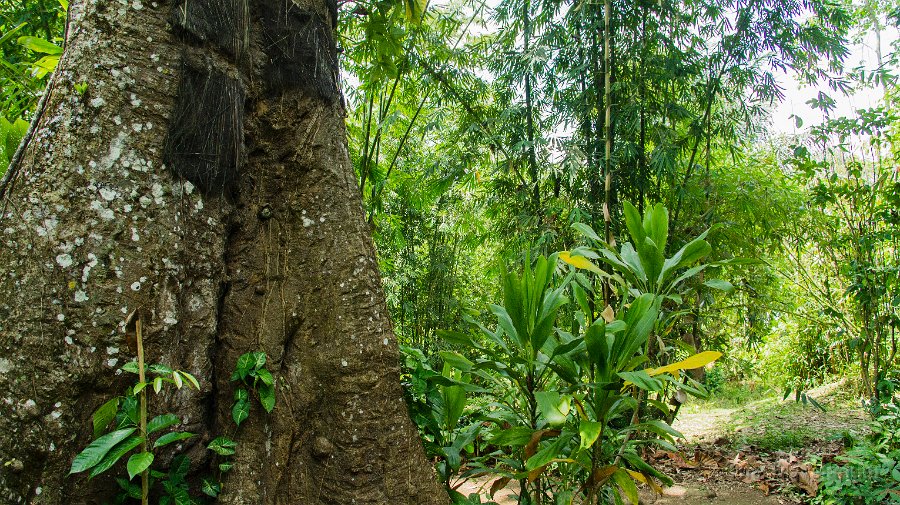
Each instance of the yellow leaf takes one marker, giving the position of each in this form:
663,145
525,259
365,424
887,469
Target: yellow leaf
579,262
637,476
696,361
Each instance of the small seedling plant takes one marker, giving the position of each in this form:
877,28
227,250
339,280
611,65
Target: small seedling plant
252,376
122,428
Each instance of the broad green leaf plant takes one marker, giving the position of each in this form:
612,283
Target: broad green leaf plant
640,266
437,403
567,412
122,427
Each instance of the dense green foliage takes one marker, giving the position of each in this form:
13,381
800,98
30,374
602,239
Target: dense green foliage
870,471
28,54
480,135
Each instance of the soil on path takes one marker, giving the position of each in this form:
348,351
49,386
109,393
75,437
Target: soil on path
750,454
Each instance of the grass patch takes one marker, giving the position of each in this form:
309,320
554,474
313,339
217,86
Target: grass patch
750,415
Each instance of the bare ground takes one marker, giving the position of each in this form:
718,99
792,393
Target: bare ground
757,453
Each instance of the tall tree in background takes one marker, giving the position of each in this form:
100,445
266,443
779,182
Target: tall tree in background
191,163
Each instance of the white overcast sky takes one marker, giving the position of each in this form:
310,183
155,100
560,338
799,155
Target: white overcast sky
796,95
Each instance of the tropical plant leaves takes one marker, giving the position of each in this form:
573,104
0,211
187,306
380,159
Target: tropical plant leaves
96,450
139,462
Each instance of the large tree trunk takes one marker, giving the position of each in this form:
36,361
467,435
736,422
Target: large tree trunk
203,177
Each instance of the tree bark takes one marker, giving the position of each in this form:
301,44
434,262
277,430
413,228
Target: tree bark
204,178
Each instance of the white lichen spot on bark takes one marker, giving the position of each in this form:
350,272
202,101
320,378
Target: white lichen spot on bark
157,191
105,212
92,262
108,194
64,260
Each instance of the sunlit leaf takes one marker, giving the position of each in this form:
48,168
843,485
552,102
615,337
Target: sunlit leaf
93,453
579,262
696,361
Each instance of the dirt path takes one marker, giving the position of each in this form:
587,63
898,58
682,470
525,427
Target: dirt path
688,494
694,494
750,454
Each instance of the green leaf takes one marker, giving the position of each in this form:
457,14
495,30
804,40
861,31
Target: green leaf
211,487
656,426
131,489
598,346
415,10
587,231
259,360
458,338
157,384
39,45
549,453
223,446
104,415
179,468
656,225
159,369
640,465
94,453
456,360
115,454
129,407
504,320
633,261
139,387
633,223
191,379
224,467
139,462
267,397
174,436
240,411
553,406
589,431
265,376
131,367
162,422
517,436
241,394
719,284
693,251
178,381
454,403
641,379
626,484
244,365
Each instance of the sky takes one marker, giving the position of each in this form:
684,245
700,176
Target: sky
797,95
